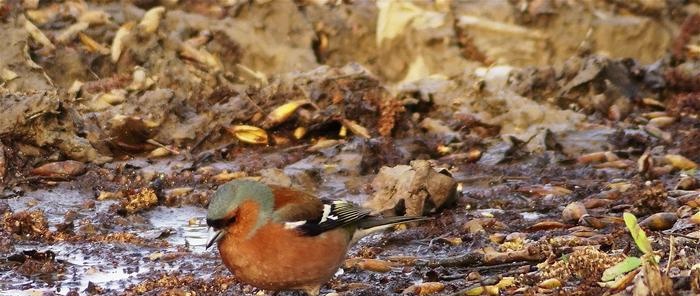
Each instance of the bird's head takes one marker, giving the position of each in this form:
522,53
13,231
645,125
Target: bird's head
236,201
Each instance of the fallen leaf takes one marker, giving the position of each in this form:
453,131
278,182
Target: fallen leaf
627,265
639,236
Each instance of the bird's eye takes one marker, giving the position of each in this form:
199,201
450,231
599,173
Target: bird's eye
221,223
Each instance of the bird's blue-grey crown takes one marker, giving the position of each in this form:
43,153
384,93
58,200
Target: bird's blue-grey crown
232,194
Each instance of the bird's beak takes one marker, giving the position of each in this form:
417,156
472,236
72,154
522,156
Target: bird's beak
217,236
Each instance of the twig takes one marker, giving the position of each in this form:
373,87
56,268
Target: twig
670,254
532,252
683,236
484,268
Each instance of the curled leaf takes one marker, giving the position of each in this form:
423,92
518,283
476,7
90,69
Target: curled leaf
249,134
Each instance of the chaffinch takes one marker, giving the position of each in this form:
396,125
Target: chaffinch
278,238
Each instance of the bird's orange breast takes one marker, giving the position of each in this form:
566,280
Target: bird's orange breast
276,258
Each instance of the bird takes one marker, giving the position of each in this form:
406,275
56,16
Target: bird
277,238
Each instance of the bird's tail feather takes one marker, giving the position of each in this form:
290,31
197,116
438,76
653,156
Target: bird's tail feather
372,221
373,224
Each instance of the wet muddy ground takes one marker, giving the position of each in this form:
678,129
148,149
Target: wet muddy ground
525,129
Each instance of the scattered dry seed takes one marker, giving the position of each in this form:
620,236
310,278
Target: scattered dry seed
492,290
257,75
652,102
75,88
473,155
92,45
681,162
282,113
620,186
69,33
299,132
30,62
455,241
428,288
687,182
506,282
611,156
44,15
119,39
226,176
475,291
151,20
550,283
657,132
695,219
573,212
201,56
37,35
180,191
369,264
655,114
617,164
324,143
94,17
140,80
106,195
159,152
442,149
355,128
659,221
249,134
115,97
662,121
593,157
202,38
